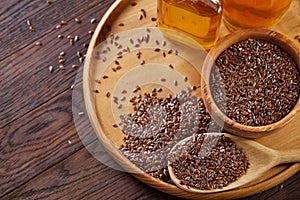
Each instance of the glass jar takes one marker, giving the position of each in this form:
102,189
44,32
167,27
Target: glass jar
199,19
253,13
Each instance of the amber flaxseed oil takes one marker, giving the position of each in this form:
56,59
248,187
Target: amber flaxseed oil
199,19
240,14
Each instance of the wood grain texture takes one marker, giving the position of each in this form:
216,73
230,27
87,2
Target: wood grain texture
37,160
25,73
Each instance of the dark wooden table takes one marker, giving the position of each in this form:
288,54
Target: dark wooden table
41,154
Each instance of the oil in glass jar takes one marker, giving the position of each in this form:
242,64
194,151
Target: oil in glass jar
240,14
199,19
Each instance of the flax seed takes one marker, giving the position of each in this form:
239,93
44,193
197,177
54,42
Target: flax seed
63,22
77,20
38,43
93,20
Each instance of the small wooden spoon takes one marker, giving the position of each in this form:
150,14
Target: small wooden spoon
261,159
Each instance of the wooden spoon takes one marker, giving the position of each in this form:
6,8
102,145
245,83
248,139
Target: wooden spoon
261,159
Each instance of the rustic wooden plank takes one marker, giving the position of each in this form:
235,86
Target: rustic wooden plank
288,192
81,176
15,34
25,73
36,141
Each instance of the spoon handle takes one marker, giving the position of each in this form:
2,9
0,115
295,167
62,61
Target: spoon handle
289,156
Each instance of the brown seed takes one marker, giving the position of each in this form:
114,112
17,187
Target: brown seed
78,54
121,24
62,53
60,36
105,77
63,22
49,2
80,60
157,49
118,67
142,62
62,67
153,19
115,125
74,66
50,69
171,66
185,79
38,44
175,83
70,37
72,86
107,94
62,60
144,13
29,22
96,91
133,4
76,38
85,45
91,32
93,20
31,28
140,17
58,26
163,80
77,20
71,42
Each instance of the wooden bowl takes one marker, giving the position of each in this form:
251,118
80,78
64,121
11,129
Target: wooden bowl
235,37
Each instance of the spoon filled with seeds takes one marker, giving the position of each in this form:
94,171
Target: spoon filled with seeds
216,162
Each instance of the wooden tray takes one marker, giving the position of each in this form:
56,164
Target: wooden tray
124,16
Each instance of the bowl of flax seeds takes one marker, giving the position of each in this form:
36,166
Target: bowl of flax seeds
251,82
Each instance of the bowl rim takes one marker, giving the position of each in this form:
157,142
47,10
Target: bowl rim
222,119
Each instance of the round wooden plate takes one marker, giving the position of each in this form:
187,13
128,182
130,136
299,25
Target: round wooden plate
124,16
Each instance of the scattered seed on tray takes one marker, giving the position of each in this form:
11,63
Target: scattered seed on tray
133,4
175,83
144,13
107,94
105,77
149,139
153,19
163,80
208,162
140,17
